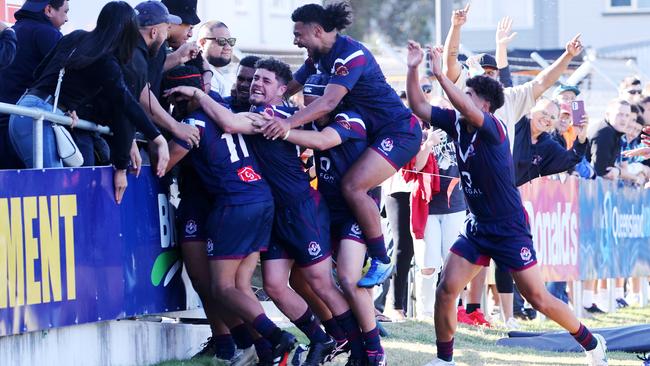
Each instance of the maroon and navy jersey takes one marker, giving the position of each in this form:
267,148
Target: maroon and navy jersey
280,162
351,65
485,165
226,164
333,163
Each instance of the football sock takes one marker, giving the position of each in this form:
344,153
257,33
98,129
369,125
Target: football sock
372,341
225,346
350,326
377,249
334,330
241,336
445,350
308,324
265,326
585,338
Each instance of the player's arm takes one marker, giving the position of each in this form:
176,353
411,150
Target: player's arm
315,140
452,44
224,118
457,97
417,100
176,153
293,87
551,74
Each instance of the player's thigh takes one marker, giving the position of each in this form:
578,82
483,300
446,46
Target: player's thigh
195,258
457,273
223,272
246,270
369,171
275,272
530,284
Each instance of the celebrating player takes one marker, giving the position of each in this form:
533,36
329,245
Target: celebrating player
496,226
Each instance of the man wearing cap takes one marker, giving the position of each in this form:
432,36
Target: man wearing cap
181,51
566,93
630,90
519,99
154,21
216,44
37,31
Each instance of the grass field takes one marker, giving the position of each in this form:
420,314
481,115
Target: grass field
412,344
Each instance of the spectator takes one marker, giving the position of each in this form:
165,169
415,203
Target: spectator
216,45
630,90
7,45
241,90
566,94
632,168
536,152
92,61
37,31
176,50
645,110
605,141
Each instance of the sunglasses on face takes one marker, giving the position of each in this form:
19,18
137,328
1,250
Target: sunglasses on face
222,41
427,89
634,91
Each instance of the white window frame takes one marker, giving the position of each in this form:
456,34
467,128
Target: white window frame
632,8
285,9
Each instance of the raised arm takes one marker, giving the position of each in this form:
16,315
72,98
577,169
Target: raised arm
461,101
417,101
162,119
452,44
504,36
551,74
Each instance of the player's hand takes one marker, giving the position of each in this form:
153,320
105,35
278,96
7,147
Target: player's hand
259,120
459,17
255,119
643,152
187,52
136,159
184,91
278,128
187,133
645,137
574,47
504,33
119,184
159,152
581,130
436,59
415,54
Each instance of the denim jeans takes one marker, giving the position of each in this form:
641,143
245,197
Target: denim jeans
558,289
21,132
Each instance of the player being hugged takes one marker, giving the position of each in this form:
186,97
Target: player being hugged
496,226
358,84
338,141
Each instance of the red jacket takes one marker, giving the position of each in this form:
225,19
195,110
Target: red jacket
427,183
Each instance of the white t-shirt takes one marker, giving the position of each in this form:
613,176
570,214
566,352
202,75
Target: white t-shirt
218,83
518,101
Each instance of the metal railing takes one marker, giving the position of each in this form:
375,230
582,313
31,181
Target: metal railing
39,116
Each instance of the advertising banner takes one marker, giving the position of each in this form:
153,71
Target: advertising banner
69,254
553,213
614,230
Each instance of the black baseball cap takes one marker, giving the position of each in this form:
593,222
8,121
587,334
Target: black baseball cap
185,9
35,6
154,12
486,60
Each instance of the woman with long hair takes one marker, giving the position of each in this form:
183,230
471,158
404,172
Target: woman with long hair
92,64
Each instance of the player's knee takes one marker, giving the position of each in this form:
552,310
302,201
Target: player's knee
348,285
351,188
275,291
444,292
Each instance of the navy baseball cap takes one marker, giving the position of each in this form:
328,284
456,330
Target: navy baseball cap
35,6
153,12
185,9
486,60
563,88
315,85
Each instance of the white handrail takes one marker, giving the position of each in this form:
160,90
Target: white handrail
39,116
36,113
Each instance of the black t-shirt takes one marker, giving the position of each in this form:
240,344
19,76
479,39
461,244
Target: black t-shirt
136,72
450,199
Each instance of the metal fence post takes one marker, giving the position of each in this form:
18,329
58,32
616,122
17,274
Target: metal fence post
37,143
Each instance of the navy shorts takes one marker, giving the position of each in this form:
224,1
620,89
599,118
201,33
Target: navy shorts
235,231
301,232
192,213
508,242
399,144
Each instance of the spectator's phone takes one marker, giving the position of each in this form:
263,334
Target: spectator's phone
427,64
577,112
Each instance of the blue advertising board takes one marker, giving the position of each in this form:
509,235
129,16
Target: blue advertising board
614,230
69,254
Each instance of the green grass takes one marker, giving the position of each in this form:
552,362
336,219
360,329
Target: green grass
413,344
